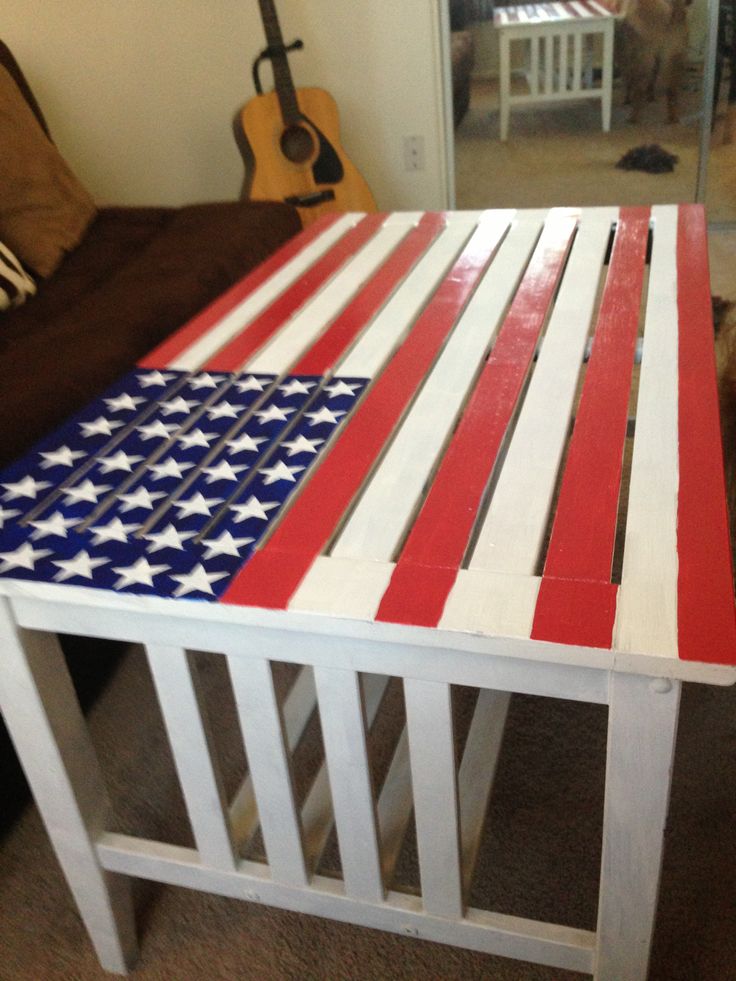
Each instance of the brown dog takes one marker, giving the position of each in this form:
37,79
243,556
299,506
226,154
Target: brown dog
652,46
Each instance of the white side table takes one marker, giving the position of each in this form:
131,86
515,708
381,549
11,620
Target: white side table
556,36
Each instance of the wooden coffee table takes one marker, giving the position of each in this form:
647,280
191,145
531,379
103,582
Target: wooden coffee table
395,450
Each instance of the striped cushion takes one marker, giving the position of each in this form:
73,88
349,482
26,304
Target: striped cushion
15,283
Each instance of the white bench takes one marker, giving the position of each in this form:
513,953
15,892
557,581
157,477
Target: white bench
558,38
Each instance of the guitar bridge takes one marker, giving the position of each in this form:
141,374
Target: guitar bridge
310,200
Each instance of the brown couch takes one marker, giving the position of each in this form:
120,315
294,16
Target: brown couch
137,275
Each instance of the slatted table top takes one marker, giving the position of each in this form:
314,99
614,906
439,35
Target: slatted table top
393,425
545,13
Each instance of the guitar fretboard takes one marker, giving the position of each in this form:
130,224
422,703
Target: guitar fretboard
283,81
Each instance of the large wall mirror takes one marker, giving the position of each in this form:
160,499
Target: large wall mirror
594,102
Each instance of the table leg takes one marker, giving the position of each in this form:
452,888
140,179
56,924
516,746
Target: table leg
504,84
607,77
642,726
40,707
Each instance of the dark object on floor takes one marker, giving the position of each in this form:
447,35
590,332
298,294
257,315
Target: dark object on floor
651,158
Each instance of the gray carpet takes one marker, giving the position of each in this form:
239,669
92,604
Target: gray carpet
539,857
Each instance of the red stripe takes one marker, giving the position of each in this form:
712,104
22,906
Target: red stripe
705,608
581,546
258,331
571,10
272,575
343,330
591,10
164,354
427,568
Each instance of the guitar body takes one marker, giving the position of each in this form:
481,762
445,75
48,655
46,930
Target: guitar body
304,159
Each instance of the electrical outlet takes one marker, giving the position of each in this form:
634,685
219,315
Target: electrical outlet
413,153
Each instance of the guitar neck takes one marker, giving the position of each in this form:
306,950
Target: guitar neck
283,81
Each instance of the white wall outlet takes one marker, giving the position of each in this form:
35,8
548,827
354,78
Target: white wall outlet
413,153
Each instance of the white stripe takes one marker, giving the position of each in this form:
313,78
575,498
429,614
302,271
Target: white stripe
583,11
310,321
233,323
647,602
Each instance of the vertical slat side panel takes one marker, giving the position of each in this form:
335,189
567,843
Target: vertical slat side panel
577,62
342,717
269,764
177,687
434,783
534,44
548,64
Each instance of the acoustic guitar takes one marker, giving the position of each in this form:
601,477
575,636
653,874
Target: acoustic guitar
290,140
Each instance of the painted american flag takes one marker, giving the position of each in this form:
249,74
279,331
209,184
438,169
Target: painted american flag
417,419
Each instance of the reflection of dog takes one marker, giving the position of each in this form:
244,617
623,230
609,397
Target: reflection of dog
652,48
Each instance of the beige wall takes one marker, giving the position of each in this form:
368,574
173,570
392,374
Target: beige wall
140,94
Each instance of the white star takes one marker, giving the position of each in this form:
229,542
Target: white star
280,472
205,381
197,504
157,429
169,468
168,538
224,410
324,415
124,403
63,457
195,438
113,531
28,487
274,414
245,442
99,427
340,388
251,384
223,471
224,545
57,524
81,565
296,387
120,461
253,508
141,498
196,581
154,378
178,406
6,513
302,445
140,573
24,557
86,491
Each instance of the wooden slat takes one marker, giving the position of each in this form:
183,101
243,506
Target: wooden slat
564,41
429,561
177,687
534,44
267,750
576,601
258,331
342,718
549,61
434,784
577,62
378,523
272,575
189,346
308,324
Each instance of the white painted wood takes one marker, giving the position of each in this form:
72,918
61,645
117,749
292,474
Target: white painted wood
607,76
317,811
343,587
187,727
504,84
511,534
379,521
342,717
534,65
549,40
368,355
642,726
311,320
651,524
477,772
233,323
298,707
564,42
577,63
434,784
41,711
492,933
270,768
492,603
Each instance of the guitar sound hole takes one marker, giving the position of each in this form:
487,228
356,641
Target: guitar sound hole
297,144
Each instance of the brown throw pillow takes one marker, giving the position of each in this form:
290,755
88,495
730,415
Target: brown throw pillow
44,210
